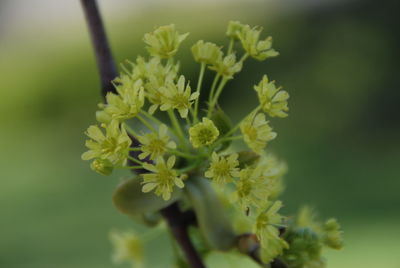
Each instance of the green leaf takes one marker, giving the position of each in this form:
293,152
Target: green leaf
211,217
129,199
229,260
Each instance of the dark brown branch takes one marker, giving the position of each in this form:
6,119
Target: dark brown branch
178,221
178,224
104,58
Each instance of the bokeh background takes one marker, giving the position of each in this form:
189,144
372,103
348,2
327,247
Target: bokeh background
339,62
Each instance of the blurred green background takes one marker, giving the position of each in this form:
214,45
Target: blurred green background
339,62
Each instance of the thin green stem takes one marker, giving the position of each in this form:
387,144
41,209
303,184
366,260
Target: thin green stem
213,86
135,160
190,167
233,130
230,48
130,130
244,57
217,94
147,124
182,154
136,149
223,139
151,117
199,82
177,127
129,167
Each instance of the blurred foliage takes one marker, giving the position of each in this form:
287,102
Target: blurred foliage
341,139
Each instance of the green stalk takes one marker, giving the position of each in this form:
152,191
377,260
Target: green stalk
182,154
233,130
199,82
130,130
214,84
178,128
231,43
244,57
135,160
147,124
151,117
215,98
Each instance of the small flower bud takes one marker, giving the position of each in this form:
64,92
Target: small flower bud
206,52
104,167
164,41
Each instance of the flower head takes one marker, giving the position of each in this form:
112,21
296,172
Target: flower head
273,100
102,166
113,146
234,29
260,50
178,96
203,133
164,41
129,101
332,234
227,66
206,52
162,177
256,132
223,168
268,233
154,75
155,144
127,248
252,189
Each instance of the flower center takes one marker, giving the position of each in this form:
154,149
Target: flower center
205,136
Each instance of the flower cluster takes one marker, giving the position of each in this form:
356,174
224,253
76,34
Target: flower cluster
156,123
308,237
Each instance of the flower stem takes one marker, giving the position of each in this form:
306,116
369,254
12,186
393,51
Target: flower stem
130,167
233,130
178,128
230,48
214,84
199,82
182,154
244,57
217,93
135,160
130,130
147,124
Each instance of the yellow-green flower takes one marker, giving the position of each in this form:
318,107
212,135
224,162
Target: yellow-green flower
227,66
206,52
203,133
332,234
178,96
256,132
234,29
266,229
259,50
113,146
163,178
158,75
155,144
127,247
273,170
129,101
102,166
273,100
164,41
252,189
223,168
